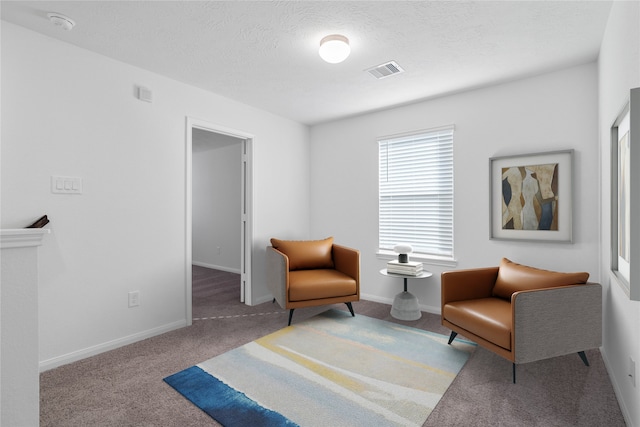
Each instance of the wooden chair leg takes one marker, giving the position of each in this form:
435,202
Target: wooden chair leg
514,373
290,316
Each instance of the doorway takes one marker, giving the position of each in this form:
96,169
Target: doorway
218,180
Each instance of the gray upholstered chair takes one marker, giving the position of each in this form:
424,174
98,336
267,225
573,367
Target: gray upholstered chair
523,313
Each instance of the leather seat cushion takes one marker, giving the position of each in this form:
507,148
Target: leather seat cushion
306,254
488,318
307,285
514,277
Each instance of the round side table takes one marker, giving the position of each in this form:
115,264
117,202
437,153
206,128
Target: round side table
405,304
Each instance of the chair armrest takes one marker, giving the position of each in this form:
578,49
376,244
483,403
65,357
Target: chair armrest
278,275
556,321
461,285
347,260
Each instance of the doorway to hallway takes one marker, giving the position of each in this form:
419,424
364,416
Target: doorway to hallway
214,293
218,208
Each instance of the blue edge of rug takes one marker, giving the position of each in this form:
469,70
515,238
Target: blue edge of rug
226,405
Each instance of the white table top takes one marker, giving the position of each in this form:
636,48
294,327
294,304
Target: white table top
422,275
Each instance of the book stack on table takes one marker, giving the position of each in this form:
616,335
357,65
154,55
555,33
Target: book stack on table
410,268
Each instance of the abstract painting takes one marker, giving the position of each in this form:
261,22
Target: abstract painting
531,196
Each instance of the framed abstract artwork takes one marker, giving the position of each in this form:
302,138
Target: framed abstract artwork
625,203
531,197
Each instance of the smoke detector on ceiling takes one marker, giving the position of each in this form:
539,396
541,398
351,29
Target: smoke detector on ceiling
59,20
385,70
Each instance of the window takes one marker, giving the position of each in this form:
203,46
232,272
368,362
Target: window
416,192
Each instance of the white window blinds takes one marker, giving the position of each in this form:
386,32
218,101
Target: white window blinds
416,192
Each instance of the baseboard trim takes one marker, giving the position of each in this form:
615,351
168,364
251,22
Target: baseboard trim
370,297
616,389
216,267
266,298
389,301
55,362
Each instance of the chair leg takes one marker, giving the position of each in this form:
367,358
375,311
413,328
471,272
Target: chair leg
452,337
580,353
583,357
290,316
274,300
350,309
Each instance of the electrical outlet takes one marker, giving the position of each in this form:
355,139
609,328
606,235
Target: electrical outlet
632,371
219,251
134,299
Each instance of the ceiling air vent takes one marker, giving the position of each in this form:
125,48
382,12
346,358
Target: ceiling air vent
385,70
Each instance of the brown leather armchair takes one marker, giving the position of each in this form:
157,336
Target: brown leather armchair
523,313
308,273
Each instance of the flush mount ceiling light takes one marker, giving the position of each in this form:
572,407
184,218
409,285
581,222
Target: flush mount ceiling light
334,48
59,20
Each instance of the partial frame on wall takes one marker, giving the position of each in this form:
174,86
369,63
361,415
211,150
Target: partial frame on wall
625,200
531,197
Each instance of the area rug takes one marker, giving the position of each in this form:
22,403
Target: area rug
329,370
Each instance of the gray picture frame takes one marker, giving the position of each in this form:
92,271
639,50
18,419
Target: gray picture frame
628,278
539,190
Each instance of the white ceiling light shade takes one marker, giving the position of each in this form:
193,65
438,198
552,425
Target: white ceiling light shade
59,20
334,48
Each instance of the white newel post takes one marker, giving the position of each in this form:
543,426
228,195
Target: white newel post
19,373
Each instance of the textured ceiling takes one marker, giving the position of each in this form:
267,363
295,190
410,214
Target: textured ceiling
265,53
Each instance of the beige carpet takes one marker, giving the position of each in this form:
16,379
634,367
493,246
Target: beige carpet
124,387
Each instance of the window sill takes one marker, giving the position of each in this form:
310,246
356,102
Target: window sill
426,259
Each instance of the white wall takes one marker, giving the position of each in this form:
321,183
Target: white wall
217,204
68,111
619,71
545,113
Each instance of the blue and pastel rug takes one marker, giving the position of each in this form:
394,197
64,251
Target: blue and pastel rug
330,370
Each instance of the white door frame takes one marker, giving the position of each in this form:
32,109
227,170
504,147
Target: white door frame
246,220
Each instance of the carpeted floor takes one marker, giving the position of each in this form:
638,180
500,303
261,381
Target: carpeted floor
124,387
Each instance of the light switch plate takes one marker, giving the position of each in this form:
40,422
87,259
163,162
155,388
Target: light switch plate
134,299
66,184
